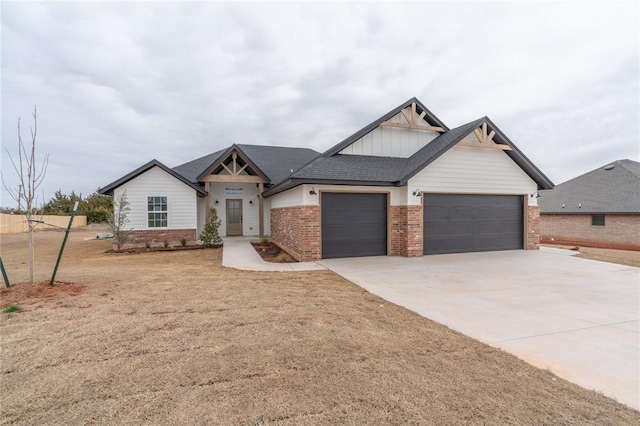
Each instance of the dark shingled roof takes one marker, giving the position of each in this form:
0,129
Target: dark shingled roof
193,169
275,162
616,190
286,168
344,169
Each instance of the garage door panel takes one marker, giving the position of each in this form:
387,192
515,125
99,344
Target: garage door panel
455,223
354,225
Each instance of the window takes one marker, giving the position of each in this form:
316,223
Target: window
157,212
597,220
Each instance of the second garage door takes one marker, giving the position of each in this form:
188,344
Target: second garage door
354,225
455,223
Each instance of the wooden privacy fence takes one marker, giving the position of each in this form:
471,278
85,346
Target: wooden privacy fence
16,223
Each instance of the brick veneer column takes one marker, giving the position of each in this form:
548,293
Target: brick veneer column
533,227
297,231
406,231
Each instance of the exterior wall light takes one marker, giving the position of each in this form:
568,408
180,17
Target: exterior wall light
313,192
217,201
417,192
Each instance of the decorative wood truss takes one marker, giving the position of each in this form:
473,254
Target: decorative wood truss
485,139
238,169
413,122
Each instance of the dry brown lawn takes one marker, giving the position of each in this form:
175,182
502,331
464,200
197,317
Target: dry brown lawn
174,338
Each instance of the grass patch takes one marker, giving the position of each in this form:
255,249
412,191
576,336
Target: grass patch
11,309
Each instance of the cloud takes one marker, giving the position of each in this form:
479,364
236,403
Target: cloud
118,84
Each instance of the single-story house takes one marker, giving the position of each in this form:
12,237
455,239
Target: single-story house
600,208
404,185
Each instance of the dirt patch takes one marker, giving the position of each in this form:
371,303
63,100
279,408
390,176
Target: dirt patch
272,253
175,338
18,293
621,257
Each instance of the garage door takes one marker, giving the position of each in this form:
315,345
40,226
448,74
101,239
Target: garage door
354,225
466,223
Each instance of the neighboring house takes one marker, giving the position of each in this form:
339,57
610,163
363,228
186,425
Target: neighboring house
598,209
404,185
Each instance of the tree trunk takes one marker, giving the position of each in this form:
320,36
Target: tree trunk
30,243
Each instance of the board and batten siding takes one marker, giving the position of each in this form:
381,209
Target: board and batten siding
155,182
392,141
468,170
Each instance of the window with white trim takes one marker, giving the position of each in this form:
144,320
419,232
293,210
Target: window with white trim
157,212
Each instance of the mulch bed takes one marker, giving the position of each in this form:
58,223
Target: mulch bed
136,250
272,253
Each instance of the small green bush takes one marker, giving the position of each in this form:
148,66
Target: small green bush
165,244
210,234
12,308
183,241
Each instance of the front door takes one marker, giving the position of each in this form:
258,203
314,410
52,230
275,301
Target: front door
234,217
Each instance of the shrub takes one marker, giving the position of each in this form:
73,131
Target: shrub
147,245
165,244
99,215
210,234
183,242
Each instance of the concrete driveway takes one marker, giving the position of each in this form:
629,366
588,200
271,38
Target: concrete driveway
575,317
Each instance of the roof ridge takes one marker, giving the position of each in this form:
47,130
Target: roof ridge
624,164
597,169
274,146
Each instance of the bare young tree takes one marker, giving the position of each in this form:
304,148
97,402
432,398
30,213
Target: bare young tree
120,219
30,177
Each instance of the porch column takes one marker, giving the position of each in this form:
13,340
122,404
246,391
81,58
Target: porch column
261,208
207,214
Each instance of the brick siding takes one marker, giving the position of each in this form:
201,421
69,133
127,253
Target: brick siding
620,231
297,231
406,231
138,238
533,228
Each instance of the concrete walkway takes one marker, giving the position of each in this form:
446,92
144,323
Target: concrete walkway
238,253
573,316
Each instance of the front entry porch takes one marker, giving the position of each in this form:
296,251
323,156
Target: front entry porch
234,188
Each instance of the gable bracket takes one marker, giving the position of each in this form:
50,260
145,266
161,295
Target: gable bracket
413,122
485,138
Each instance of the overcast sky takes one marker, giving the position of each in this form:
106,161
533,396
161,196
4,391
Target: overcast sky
118,84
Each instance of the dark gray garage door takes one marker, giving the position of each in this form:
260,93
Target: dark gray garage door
468,223
354,225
